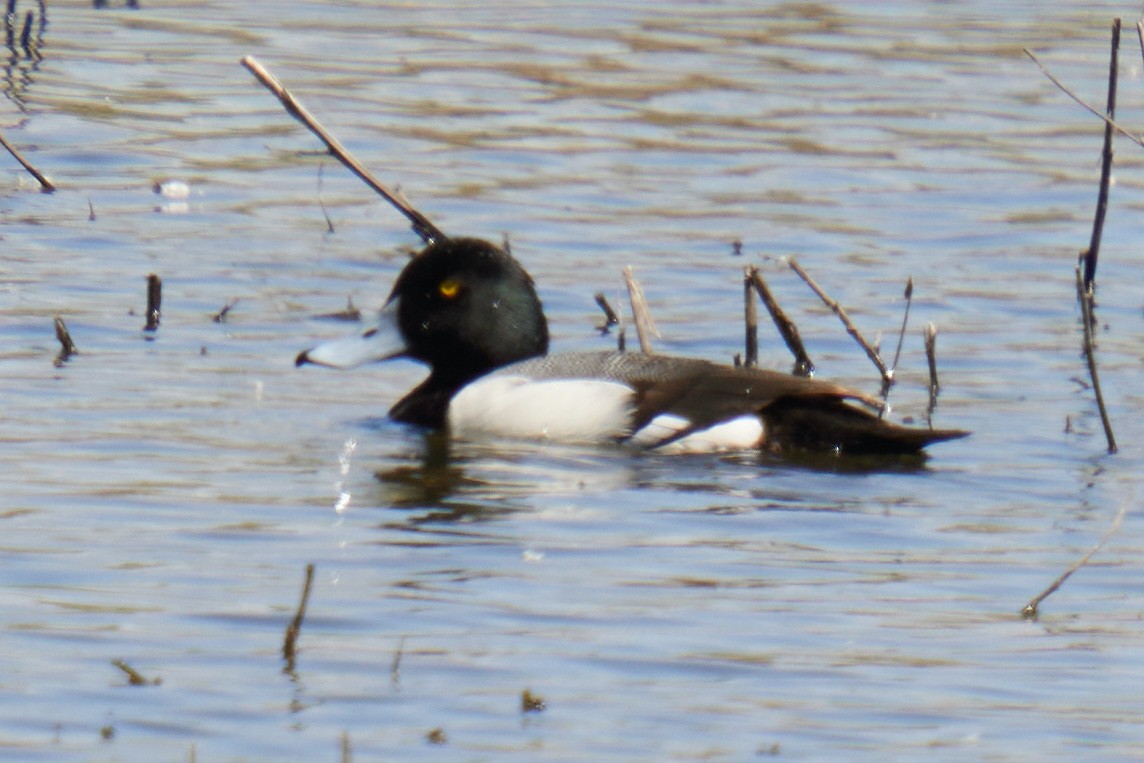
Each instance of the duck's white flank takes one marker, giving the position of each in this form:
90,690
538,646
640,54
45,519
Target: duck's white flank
583,411
741,433
563,410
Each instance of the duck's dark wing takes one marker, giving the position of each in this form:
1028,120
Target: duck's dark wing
798,413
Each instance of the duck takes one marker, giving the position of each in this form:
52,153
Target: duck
470,311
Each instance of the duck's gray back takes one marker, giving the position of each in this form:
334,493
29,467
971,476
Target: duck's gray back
613,366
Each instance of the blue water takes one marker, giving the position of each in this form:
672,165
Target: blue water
162,493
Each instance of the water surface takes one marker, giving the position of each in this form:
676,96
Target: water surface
164,491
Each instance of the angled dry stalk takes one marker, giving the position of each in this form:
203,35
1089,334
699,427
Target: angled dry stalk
851,329
909,297
1104,117
67,346
888,383
1030,610
220,316
786,328
421,224
290,642
45,184
645,326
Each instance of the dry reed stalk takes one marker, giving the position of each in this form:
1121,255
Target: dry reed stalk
422,226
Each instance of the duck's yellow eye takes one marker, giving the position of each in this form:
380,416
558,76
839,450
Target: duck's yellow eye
449,288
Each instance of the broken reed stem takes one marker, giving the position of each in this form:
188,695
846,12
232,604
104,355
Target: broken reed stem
1105,165
220,316
134,677
931,360
347,752
1104,117
1088,319
645,326
842,316
67,346
786,328
289,644
610,317
1029,611
45,184
750,318
422,226
154,301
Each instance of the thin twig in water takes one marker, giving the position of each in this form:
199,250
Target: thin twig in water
421,224
909,296
290,643
750,318
645,326
887,383
1105,165
1088,319
220,316
1029,611
842,316
134,677
1104,117
45,184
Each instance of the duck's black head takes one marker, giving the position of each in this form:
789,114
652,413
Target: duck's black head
466,307
462,305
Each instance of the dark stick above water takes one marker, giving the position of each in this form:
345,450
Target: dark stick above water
154,302
1093,250
1086,286
786,328
290,642
67,346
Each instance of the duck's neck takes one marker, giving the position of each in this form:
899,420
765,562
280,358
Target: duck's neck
428,404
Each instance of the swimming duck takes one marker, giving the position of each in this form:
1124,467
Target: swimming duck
470,311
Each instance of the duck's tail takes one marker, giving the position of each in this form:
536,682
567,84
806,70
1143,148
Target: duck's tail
795,424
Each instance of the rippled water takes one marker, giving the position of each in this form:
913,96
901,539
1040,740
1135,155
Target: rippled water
163,492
